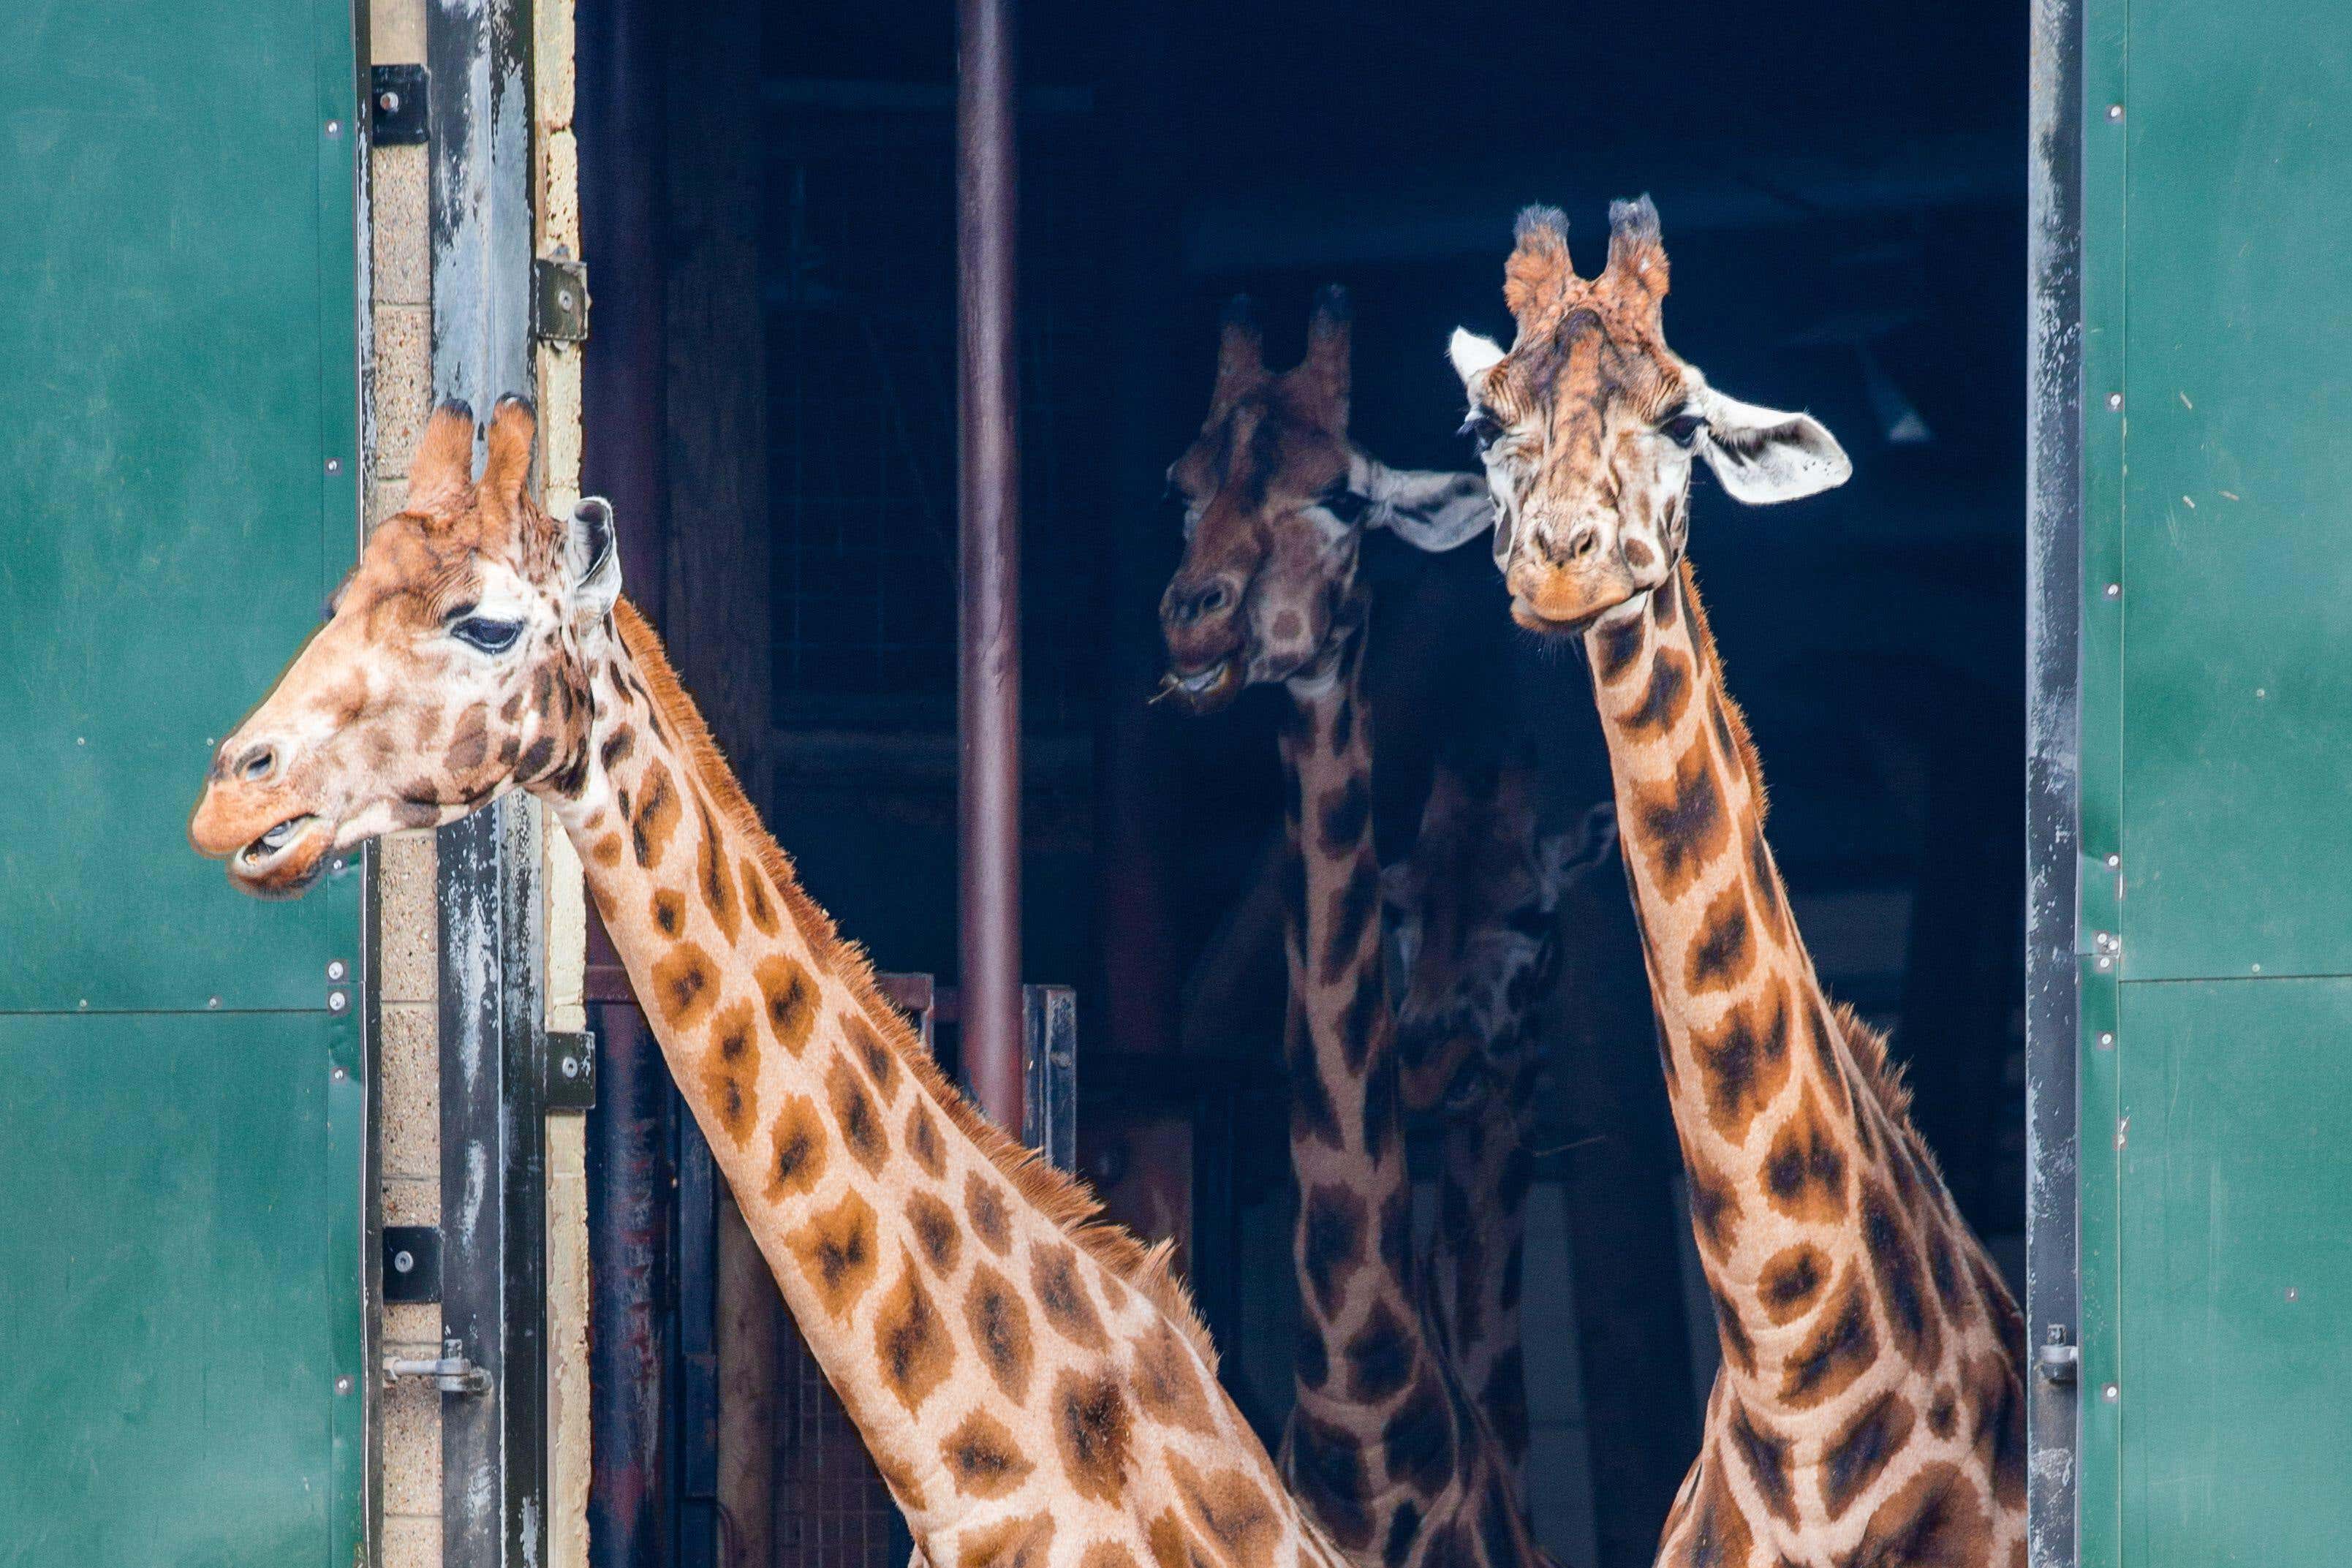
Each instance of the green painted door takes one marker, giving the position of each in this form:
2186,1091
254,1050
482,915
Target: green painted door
2216,934
181,1118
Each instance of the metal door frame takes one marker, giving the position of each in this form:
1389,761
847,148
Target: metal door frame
2053,657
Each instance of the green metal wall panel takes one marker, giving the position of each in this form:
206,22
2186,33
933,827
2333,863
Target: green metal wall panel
2215,1066
2237,490
180,1276
177,367
176,1278
2236,1239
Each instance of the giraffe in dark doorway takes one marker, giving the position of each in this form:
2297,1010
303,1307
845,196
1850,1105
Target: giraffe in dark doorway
1870,1406
1478,945
1384,1446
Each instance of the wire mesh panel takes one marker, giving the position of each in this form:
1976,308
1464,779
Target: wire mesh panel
862,335
832,1509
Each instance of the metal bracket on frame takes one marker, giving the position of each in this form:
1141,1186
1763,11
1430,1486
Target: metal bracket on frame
412,1263
558,300
398,99
571,1071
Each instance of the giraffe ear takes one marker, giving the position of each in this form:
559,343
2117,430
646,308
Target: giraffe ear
1762,455
442,471
593,552
514,426
1431,510
1473,357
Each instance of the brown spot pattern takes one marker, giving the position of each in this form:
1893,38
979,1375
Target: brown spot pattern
1744,1059
1791,1280
756,902
984,1205
790,996
936,1230
668,912
1091,1427
685,987
911,1339
1804,1170
1933,1520
1724,951
854,1112
731,1071
1008,1543
795,1149
983,1456
656,818
1167,1382
923,1140
712,876
836,1252
1681,822
881,1065
1230,1510
1859,1453
1061,1296
1839,1351
999,1321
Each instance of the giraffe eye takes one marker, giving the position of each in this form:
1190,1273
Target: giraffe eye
490,636
1343,503
1482,429
1681,426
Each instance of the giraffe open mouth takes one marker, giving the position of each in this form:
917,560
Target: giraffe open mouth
284,860
1203,689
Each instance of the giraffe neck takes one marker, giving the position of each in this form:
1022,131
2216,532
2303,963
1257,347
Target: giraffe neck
1383,1448
999,1350
1478,1258
1858,1316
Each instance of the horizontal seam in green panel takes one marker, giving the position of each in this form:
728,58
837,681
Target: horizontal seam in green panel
2229,979
164,1013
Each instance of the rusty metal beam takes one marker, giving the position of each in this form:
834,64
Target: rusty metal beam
988,651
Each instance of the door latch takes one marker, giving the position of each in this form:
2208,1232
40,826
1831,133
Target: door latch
452,1373
2058,1362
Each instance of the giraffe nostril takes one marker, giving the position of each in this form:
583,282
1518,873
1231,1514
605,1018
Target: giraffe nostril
1583,542
257,763
1203,601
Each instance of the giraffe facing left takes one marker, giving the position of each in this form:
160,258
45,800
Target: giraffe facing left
1033,1383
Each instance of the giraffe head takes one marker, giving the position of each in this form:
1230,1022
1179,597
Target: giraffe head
1276,502
1589,425
449,670
1471,910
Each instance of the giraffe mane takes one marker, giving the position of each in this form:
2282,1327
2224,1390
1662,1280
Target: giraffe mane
1703,640
1867,1045
1064,1199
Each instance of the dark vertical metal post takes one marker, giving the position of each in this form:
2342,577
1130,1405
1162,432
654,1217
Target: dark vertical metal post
988,464
2053,754
632,1194
493,1044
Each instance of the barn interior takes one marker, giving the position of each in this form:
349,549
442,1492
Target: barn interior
768,196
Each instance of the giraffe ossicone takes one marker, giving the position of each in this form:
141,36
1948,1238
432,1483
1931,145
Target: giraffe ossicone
1032,1383
1870,1406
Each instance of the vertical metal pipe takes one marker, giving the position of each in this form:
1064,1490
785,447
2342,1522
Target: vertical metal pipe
988,651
